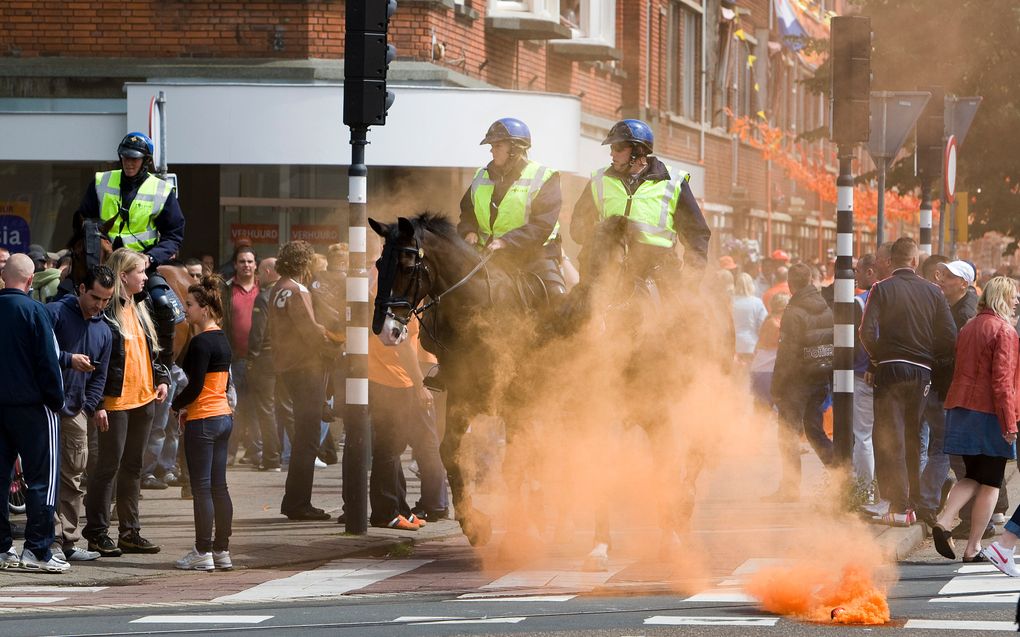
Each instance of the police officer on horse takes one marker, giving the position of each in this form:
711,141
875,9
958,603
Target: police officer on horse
656,200
513,206
142,214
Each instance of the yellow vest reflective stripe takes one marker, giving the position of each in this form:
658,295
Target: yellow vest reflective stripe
650,208
139,232
515,209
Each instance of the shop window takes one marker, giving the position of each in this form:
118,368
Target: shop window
527,19
592,25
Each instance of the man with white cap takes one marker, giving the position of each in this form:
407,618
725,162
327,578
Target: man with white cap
955,279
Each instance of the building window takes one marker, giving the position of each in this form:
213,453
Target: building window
540,9
592,20
684,66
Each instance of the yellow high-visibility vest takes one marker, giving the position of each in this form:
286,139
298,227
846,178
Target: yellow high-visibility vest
650,208
515,209
139,231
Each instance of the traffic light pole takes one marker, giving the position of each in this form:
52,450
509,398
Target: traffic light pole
357,419
925,238
843,314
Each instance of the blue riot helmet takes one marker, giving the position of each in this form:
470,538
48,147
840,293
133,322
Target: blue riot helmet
508,128
136,146
633,131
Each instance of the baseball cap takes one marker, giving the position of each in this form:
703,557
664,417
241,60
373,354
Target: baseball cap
780,255
961,269
727,263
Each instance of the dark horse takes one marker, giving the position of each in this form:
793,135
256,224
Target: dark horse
467,300
467,306
90,245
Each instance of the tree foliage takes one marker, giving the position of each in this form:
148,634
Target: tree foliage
969,47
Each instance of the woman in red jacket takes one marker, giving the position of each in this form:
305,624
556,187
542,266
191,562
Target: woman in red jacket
982,410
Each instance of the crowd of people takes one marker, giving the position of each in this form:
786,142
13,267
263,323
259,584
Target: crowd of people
936,386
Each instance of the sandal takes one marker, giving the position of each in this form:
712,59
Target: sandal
977,558
943,542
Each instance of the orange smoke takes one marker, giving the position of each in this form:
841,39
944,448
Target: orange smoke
821,592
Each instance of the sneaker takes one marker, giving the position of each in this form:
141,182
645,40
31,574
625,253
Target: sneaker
417,521
270,466
75,554
135,543
399,523
152,482
222,560
1002,558
195,561
998,518
10,559
430,515
29,562
103,545
905,519
319,464
171,479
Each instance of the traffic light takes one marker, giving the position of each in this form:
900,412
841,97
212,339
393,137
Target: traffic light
931,134
367,55
851,79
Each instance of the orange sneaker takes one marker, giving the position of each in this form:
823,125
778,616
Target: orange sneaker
414,519
402,524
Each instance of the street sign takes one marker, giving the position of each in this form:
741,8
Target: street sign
14,233
949,170
959,115
893,115
154,132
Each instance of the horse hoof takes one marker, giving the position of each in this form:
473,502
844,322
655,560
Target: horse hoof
595,564
477,529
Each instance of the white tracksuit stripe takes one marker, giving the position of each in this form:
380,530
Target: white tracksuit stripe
53,425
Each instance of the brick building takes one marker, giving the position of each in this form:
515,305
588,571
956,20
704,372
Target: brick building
254,94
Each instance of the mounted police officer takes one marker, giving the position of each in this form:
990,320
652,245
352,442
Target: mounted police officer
513,206
655,198
145,217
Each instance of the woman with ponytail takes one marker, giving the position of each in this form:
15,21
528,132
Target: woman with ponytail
135,380
207,420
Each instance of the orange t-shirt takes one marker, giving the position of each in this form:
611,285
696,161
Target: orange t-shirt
138,389
384,365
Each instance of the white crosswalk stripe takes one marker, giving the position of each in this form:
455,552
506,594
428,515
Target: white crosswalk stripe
201,619
681,620
979,584
952,624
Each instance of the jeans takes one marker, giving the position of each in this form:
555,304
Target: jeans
305,386
260,396
800,412
283,408
205,447
425,447
900,396
246,432
936,470
864,425
119,458
161,450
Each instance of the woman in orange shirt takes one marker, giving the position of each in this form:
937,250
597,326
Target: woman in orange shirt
207,420
134,381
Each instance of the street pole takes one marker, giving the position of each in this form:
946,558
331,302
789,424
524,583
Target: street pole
843,312
951,211
880,216
925,242
357,420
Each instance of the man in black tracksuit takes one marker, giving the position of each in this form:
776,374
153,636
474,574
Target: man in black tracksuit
907,330
31,396
800,381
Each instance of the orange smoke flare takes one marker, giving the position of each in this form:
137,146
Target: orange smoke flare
812,592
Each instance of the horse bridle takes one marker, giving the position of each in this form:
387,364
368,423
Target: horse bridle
386,273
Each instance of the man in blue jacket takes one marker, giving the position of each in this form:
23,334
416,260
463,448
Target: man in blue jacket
84,340
31,395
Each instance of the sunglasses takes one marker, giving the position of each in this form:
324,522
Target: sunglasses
621,146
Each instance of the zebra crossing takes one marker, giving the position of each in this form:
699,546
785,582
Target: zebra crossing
526,594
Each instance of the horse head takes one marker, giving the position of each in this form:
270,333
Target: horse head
404,279
90,245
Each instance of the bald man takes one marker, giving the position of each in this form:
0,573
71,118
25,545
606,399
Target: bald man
31,397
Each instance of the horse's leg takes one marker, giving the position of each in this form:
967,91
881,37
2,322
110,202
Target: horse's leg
475,524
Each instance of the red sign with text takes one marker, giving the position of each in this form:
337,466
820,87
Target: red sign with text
315,234
255,232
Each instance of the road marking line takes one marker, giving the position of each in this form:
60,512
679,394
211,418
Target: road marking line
991,598
569,577
335,578
489,597
734,596
970,569
52,589
30,600
201,619
756,564
996,583
959,624
677,620
433,621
